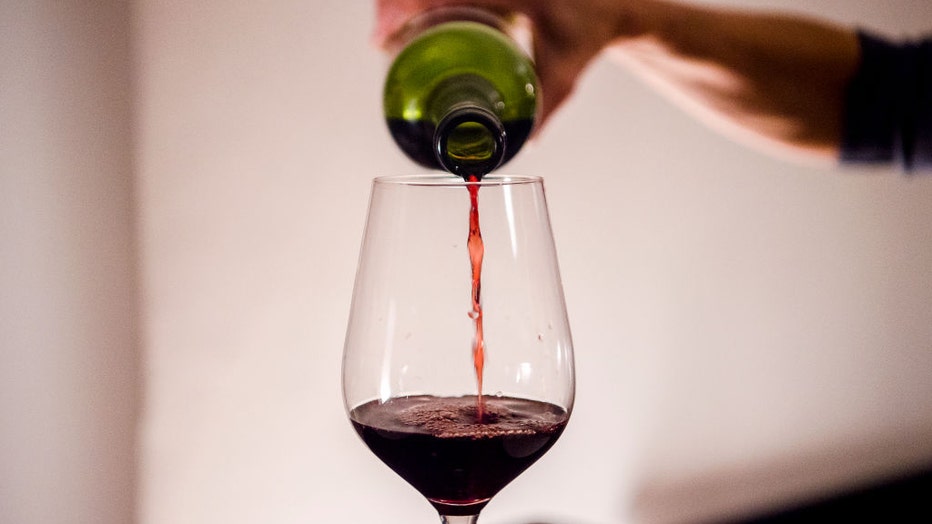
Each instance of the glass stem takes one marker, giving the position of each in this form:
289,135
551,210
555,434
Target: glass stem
459,519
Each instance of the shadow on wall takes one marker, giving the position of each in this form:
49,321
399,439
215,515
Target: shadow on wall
877,473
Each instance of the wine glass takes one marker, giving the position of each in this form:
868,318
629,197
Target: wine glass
458,363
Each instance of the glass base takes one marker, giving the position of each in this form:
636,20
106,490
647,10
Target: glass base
459,519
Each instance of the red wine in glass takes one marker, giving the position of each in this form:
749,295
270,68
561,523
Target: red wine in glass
442,448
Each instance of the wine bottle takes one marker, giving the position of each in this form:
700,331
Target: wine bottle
461,95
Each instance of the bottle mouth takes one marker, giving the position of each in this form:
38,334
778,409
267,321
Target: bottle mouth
470,141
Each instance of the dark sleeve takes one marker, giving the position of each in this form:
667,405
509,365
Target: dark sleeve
888,105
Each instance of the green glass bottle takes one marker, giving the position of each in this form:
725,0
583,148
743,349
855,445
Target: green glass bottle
461,96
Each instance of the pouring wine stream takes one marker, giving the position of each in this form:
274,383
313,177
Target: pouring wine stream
476,253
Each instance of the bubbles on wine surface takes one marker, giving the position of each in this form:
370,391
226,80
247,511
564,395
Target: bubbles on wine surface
458,417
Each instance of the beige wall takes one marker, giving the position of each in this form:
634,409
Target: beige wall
732,314
745,329
69,355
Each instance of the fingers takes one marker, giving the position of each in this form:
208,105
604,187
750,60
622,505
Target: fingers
391,15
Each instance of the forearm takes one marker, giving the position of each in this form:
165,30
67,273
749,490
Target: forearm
775,78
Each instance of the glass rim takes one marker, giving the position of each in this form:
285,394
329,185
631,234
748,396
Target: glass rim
449,180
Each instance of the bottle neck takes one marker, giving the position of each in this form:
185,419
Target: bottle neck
470,141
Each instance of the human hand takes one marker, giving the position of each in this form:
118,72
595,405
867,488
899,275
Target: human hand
568,34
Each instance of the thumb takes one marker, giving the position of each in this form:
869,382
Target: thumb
557,81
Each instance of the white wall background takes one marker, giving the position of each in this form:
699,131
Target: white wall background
746,330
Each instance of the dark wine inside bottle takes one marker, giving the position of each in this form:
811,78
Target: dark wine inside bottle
416,139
